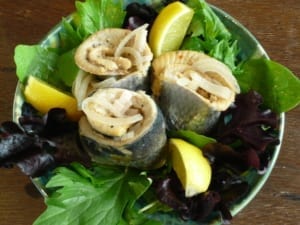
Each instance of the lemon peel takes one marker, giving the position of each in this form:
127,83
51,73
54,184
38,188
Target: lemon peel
192,168
44,97
169,28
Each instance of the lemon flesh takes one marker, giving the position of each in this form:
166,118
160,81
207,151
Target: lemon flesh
191,167
169,28
44,97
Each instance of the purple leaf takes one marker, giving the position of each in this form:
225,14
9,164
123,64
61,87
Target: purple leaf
247,122
14,144
36,164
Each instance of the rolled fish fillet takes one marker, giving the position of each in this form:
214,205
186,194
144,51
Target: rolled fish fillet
120,55
122,127
192,88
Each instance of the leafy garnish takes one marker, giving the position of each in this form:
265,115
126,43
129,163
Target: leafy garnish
66,68
34,60
92,197
40,143
276,83
207,33
170,192
95,15
69,35
249,128
105,195
46,64
192,137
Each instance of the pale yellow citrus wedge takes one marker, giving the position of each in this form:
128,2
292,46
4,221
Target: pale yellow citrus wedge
191,167
169,28
44,97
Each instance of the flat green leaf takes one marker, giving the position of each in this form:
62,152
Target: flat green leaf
69,36
66,68
34,60
97,196
95,15
192,137
136,218
208,34
276,83
206,22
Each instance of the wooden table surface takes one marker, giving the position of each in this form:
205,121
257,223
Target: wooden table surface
275,23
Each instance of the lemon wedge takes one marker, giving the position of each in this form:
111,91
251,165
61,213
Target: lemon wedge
44,97
169,28
191,167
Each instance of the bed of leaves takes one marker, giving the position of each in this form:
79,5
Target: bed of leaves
83,193
108,195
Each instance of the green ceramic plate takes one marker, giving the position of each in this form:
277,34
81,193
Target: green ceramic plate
250,48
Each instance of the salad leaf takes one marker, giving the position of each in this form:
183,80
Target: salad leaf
206,22
104,195
276,83
134,217
208,34
66,68
91,197
69,36
95,15
34,60
192,137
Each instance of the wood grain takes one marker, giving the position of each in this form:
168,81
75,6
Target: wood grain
275,23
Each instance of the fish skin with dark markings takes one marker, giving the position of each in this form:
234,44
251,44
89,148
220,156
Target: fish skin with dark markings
133,82
184,109
144,150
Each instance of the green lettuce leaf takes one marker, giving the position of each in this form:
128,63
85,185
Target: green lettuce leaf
276,83
66,68
208,34
69,36
191,137
91,197
34,60
206,22
95,15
